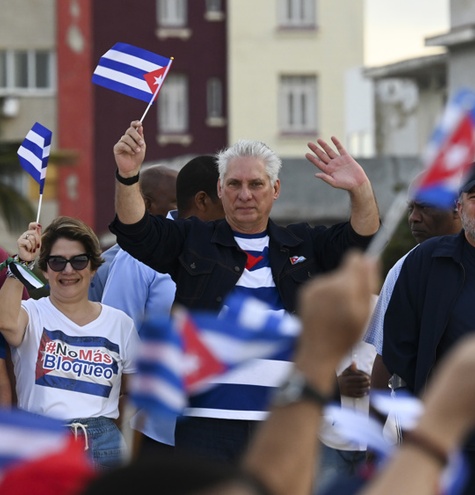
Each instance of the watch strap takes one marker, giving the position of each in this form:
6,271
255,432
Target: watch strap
312,393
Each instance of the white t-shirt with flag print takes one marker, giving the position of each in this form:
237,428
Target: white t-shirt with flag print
67,371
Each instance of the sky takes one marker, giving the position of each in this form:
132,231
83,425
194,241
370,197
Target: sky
395,29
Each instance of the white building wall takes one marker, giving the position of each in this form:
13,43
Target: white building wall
359,113
260,52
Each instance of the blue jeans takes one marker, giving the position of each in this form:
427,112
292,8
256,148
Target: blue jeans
335,464
219,439
106,445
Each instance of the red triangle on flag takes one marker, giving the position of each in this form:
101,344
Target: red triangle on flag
155,79
455,155
201,362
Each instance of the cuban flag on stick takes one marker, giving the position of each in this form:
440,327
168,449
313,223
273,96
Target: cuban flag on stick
449,153
33,155
132,71
181,355
447,158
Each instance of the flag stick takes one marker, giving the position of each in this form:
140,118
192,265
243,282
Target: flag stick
39,208
157,90
391,221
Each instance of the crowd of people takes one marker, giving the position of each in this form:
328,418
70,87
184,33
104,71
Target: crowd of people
194,237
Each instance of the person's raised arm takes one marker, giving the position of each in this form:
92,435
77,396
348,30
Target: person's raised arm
13,319
333,309
129,153
341,171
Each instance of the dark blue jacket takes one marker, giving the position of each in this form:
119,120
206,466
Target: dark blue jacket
423,298
205,261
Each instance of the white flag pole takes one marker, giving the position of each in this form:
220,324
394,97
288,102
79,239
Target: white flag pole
39,208
157,90
391,221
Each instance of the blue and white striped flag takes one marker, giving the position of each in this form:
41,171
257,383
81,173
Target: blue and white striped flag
132,71
181,356
34,153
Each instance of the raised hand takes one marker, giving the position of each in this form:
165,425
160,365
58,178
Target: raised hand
129,151
29,242
338,168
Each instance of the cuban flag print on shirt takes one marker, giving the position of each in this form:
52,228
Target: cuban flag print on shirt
81,364
132,71
256,280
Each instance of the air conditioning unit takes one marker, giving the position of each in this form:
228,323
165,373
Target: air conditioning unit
10,106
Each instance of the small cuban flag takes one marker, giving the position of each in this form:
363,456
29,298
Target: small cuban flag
34,153
132,71
449,153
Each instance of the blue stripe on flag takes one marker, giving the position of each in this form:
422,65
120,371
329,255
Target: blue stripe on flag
122,88
230,397
142,54
34,153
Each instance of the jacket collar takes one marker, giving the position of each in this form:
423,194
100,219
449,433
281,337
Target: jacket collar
451,246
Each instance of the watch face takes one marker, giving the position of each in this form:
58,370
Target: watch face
291,390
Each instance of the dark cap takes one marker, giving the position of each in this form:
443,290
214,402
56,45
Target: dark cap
468,181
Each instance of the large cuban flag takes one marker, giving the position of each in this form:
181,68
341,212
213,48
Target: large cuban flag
34,153
449,153
132,71
181,356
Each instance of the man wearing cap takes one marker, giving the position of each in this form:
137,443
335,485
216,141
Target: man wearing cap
432,306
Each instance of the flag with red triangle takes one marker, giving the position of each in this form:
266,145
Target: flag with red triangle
181,355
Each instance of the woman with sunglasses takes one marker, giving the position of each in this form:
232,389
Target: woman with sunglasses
70,355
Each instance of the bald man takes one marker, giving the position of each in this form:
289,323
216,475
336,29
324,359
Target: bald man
158,188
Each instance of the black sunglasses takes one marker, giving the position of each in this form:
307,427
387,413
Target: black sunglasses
58,263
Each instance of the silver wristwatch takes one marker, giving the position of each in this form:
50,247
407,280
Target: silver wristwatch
295,389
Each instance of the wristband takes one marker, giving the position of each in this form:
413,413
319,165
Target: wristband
127,181
10,274
427,445
295,389
29,264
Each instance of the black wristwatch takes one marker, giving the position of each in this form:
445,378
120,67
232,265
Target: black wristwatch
295,389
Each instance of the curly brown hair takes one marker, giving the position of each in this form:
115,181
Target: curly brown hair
75,230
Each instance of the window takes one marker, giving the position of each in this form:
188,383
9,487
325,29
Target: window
172,13
214,98
298,104
297,13
214,10
26,71
213,6
173,106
